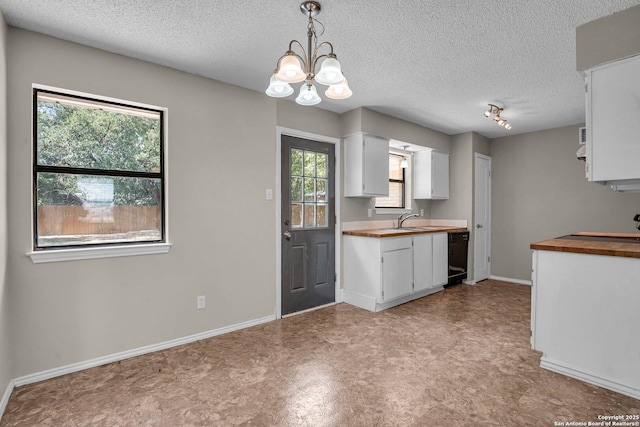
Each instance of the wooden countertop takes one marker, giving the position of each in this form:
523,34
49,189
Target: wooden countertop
629,249
399,232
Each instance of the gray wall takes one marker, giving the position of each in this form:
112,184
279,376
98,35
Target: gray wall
539,191
607,39
313,120
6,357
68,312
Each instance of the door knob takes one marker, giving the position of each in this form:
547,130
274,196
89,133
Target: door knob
478,225
287,235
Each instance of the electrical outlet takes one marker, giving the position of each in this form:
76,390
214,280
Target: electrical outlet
200,302
369,213
421,212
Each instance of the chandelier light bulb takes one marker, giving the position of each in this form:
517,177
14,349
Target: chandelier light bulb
339,91
330,72
487,113
507,126
308,95
290,70
277,88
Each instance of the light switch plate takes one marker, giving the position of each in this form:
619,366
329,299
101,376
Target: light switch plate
269,194
200,302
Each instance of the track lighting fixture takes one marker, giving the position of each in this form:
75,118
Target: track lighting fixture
294,68
496,111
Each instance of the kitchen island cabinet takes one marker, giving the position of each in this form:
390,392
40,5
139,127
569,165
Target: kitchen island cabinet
380,273
585,310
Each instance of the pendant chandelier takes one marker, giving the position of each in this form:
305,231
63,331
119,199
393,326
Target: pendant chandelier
293,67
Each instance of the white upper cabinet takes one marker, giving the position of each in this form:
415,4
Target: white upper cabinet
366,166
431,175
613,122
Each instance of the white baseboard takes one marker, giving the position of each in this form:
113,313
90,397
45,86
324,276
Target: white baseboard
75,367
578,374
5,397
509,279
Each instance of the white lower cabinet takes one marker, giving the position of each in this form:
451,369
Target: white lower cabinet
396,265
383,272
422,262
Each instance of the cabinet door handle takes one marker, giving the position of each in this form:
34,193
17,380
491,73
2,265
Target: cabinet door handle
479,226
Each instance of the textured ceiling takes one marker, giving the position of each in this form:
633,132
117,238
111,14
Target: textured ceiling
432,62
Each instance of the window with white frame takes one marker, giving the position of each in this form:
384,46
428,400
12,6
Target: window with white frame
98,172
397,184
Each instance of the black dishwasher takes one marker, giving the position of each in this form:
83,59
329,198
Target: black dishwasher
458,248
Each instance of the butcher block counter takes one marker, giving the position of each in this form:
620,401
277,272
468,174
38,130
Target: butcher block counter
400,232
594,243
585,308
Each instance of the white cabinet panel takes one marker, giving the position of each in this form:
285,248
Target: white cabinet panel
397,273
613,122
440,258
422,262
366,166
431,175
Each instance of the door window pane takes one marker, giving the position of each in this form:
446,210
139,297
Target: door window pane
310,190
309,215
321,216
296,189
296,215
296,162
309,163
309,185
321,190
321,165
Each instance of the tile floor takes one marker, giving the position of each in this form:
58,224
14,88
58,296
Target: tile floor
457,358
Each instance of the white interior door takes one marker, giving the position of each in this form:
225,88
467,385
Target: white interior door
482,218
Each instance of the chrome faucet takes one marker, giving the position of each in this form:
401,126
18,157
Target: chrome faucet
405,216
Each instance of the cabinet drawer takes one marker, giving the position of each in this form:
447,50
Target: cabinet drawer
394,244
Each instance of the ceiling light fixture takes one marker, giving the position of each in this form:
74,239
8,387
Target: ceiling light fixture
496,111
294,68
404,163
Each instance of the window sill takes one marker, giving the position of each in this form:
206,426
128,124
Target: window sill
57,255
392,211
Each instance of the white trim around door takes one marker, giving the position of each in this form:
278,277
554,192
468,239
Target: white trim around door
278,200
